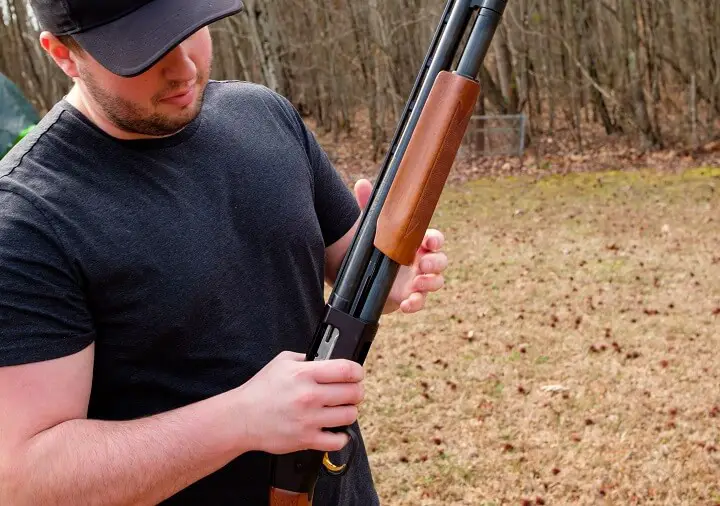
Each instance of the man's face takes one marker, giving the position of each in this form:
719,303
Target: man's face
160,101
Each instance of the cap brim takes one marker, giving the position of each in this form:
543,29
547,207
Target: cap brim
131,45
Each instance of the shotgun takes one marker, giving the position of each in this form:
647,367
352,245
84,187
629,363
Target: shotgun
395,220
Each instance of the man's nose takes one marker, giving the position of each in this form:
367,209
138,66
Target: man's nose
178,66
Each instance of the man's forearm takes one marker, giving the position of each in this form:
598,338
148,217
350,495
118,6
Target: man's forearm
138,462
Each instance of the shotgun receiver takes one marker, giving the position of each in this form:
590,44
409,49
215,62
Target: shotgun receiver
397,215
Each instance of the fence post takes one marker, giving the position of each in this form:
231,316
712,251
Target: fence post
487,144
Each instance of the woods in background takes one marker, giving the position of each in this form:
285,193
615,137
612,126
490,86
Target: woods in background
646,68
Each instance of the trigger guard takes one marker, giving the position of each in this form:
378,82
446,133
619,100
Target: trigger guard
333,470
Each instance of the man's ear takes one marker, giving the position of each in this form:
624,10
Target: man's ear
61,54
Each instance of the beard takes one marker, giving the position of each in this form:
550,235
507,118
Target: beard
131,117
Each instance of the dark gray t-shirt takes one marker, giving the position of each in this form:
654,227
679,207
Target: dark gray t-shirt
190,261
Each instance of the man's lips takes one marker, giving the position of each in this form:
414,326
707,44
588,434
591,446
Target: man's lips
181,97
180,94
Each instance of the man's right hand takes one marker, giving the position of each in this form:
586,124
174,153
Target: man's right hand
50,453
285,407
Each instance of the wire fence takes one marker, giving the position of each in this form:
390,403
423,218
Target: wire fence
497,135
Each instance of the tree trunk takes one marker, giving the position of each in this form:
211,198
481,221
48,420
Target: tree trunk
635,88
263,33
506,76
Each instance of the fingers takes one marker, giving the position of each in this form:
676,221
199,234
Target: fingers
336,371
428,283
414,303
330,441
434,240
422,285
339,416
363,189
341,394
433,263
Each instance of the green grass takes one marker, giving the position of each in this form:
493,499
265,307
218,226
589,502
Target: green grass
607,284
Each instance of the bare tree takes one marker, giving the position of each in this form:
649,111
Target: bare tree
627,66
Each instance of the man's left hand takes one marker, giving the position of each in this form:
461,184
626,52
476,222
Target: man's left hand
414,282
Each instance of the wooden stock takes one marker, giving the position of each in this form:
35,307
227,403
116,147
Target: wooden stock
284,498
424,169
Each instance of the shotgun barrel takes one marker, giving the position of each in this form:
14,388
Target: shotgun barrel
400,208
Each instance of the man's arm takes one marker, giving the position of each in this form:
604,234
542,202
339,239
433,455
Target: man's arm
51,454
335,253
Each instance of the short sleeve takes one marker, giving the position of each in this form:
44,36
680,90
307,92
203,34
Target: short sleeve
43,311
335,205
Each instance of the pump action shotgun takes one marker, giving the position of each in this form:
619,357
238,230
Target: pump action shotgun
394,223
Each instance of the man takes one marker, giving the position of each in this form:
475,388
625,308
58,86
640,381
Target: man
164,240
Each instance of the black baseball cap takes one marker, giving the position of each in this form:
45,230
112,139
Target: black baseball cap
129,36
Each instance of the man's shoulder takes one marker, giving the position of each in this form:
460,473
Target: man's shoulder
236,88
234,95
29,168
245,91
32,145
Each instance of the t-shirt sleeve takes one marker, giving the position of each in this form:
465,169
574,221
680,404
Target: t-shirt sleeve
43,310
335,205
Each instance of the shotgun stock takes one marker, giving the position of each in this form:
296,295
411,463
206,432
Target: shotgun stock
397,215
286,498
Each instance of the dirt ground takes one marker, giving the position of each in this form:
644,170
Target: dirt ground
573,356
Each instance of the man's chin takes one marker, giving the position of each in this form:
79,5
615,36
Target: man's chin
171,120
161,125
182,119
181,114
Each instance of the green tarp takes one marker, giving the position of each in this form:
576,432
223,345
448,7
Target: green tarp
16,114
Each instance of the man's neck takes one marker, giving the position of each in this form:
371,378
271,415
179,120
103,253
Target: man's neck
94,114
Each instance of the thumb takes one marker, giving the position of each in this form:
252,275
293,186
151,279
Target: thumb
363,188
290,355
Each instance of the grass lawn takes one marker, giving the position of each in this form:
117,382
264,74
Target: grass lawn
573,357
